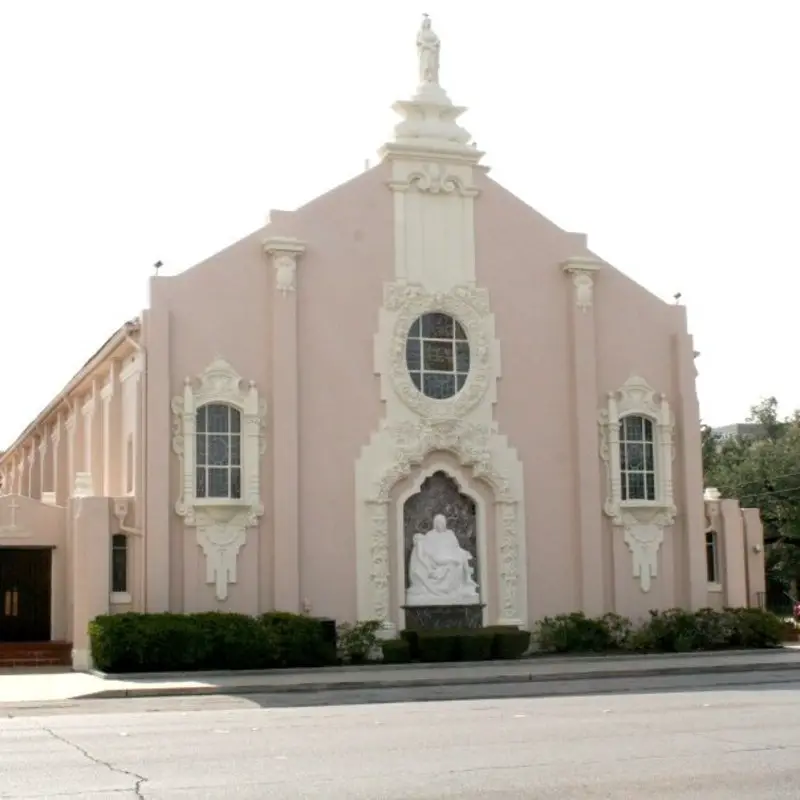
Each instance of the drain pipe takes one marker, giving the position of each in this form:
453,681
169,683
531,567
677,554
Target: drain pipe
142,468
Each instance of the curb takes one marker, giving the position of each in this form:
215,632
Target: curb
530,677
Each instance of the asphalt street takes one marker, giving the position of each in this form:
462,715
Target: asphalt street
662,739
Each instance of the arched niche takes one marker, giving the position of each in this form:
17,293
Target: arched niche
447,483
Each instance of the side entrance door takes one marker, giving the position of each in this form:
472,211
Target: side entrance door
25,578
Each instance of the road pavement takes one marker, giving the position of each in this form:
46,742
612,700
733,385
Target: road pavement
668,738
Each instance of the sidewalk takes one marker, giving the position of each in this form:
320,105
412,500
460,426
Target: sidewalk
54,685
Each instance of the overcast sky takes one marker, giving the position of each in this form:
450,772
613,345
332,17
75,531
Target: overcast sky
137,131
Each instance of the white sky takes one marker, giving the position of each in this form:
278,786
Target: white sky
137,131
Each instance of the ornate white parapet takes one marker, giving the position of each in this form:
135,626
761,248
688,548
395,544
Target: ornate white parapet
582,270
284,252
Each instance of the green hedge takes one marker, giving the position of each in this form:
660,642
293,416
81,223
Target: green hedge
480,644
209,641
672,631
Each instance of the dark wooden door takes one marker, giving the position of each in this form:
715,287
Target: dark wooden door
25,575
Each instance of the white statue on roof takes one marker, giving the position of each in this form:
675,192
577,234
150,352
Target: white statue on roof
428,47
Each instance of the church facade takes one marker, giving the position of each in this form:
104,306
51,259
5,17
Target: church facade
413,399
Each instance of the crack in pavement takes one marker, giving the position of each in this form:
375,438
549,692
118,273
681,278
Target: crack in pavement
139,779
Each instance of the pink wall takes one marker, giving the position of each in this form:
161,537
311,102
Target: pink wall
519,253
223,308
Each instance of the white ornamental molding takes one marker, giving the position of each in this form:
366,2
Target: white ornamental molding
221,522
284,253
435,178
469,305
471,445
643,521
582,271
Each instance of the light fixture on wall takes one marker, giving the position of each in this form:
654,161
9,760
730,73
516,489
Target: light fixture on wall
757,548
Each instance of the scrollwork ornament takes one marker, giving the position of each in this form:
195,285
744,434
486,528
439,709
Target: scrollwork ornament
470,307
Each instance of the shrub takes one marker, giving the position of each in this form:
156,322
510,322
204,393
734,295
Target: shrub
510,643
412,637
181,642
575,633
302,640
672,631
358,641
475,645
754,627
437,646
396,651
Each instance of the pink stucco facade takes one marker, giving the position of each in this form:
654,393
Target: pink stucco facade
302,329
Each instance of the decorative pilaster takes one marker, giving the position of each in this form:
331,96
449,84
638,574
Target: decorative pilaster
689,453
112,434
71,427
45,465
589,485
284,254
582,271
34,487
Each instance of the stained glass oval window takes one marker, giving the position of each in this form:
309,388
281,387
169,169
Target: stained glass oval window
437,355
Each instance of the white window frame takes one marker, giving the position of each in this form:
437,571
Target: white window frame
637,398
219,383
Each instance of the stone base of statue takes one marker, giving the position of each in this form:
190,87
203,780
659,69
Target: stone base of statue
439,617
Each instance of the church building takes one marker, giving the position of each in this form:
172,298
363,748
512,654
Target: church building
413,399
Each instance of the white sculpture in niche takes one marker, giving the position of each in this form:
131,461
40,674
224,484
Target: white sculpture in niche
639,496
222,498
439,571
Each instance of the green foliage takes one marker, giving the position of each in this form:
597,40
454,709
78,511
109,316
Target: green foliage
358,641
577,633
183,642
509,642
763,471
479,644
671,631
475,645
396,651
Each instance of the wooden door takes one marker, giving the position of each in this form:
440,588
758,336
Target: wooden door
25,577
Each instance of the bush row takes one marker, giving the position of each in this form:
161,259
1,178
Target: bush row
224,641
176,642
481,644
672,631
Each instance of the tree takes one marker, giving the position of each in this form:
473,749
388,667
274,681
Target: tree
763,471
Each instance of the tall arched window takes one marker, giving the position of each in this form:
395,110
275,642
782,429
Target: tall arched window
637,458
218,465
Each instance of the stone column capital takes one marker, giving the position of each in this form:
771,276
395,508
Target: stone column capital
582,270
284,252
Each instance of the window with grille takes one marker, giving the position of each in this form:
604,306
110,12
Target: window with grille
437,355
218,453
637,458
